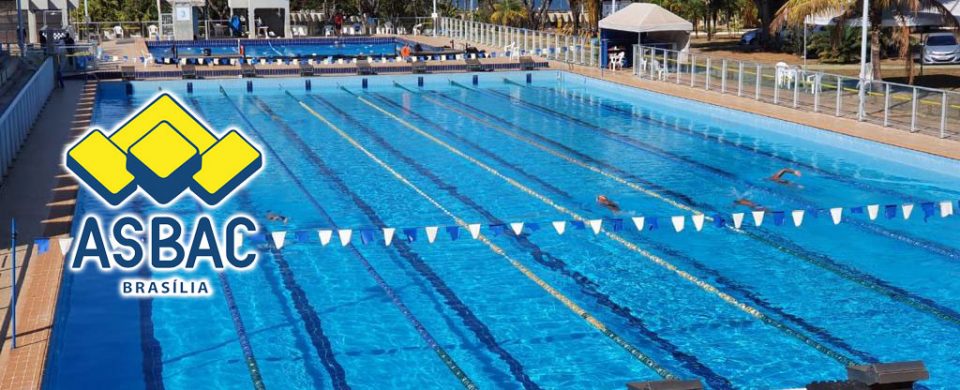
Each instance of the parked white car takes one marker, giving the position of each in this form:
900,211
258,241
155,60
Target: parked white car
941,48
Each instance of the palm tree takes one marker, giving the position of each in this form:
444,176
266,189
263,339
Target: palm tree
794,12
509,13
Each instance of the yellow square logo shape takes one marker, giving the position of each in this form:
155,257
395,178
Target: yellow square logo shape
163,150
103,162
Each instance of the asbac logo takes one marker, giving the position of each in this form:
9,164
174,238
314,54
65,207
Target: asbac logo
163,150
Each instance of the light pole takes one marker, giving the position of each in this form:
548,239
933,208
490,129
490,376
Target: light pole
434,16
864,24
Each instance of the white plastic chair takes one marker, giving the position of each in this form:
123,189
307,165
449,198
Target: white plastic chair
616,60
512,49
417,28
152,32
786,75
118,31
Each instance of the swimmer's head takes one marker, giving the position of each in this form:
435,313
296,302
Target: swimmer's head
602,198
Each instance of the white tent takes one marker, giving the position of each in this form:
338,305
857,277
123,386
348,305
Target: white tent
646,24
645,17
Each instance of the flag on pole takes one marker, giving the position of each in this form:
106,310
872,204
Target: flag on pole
454,232
325,236
388,235
595,225
43,245
65,244
907,210
678,222
410,234
560,227
345,235
797,217
638,222
835,214
946,208
474,229
278,238
431,233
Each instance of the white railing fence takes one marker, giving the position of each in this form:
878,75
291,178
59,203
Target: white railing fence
19,115
513,41
900,106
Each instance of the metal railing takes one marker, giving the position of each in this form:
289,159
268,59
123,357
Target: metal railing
900,106
19,115
572,49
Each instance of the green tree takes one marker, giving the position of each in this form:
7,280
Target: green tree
793,13
509,13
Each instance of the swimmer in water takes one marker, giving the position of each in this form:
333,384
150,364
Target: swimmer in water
749,203
271,216
606,202
778,177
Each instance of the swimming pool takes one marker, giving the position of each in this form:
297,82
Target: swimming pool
284,48
767,307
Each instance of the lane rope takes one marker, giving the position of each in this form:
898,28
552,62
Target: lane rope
839,357
593,321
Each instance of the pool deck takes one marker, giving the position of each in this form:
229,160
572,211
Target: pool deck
41,195
41,198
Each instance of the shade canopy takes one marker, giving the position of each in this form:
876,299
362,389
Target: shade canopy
645,17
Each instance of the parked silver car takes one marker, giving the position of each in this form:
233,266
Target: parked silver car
941,48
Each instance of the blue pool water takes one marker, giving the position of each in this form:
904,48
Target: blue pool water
790,305
286,48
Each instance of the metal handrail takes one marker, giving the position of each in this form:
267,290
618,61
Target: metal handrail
551,45
931,110
19,115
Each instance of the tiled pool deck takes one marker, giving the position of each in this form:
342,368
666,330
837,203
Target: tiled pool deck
39,172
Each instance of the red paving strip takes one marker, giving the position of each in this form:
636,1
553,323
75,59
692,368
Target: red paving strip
23,367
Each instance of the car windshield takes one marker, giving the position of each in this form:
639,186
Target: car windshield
941,40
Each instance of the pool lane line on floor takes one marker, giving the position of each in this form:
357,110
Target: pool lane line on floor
472,322
394,297
308,314
720,279
689,131
778,191
690,361
315,375
839,357
643,358
882,287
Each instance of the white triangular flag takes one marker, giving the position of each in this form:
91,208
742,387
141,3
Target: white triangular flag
697,221
946,208
907,210
474,229
737,220
278,238
65,245
758,217
872,210
431,233
345,235
388,235
678,222
325,236
595,225
517,227
638,222
835,214
560,226
797,217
